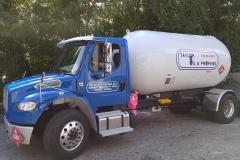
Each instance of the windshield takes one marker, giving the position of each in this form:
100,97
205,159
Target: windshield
71,58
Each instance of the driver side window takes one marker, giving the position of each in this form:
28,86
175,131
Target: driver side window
97,59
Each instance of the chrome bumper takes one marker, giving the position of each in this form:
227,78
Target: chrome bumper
25,131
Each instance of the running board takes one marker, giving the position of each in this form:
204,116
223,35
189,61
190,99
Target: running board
115,131
114,122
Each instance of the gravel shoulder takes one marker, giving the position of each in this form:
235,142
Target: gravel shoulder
158,136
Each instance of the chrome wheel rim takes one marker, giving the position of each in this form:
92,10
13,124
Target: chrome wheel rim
228,108
71,135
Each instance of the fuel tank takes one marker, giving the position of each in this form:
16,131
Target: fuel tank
161,61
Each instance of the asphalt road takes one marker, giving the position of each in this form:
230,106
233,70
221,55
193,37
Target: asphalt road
158,136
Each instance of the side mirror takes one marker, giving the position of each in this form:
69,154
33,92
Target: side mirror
108,52
108,68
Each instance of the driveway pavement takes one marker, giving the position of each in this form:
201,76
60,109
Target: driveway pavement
158,136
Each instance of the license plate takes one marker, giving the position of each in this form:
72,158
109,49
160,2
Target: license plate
17,137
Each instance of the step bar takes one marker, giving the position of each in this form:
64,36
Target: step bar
114,122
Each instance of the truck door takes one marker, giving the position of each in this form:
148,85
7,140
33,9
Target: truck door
107,89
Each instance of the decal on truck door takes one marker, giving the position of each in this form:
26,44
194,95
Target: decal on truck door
96,87
197,59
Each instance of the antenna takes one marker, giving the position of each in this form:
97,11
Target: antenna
24,74
40,85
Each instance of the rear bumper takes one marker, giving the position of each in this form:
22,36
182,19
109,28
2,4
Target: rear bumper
25,131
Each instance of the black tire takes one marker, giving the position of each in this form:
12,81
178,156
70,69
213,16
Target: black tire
227,109
238,110
181,109
63,131
210,116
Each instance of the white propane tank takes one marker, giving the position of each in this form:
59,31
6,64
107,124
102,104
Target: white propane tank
161,61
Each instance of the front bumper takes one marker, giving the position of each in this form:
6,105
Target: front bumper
25,131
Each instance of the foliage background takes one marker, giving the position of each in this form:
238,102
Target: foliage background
30,29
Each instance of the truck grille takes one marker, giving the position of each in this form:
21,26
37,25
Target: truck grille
5,99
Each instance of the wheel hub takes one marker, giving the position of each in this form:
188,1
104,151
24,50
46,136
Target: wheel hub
71,135
228,108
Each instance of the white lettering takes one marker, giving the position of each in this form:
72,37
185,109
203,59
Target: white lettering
16,137
102,87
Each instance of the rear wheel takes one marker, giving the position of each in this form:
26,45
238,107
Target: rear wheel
66,135
227,109
180,109
238,110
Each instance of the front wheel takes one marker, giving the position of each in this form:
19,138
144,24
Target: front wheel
227,109
66,135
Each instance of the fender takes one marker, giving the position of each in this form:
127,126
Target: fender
51,96
74,100
213,97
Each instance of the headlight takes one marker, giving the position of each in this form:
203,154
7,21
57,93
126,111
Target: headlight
25,106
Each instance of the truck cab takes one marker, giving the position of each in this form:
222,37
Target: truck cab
90,76
101,69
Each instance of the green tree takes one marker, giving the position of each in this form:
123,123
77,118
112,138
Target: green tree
30,30
225,25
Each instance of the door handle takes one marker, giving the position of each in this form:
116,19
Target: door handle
122,86
98,75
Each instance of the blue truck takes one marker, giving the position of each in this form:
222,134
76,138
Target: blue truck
91,86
